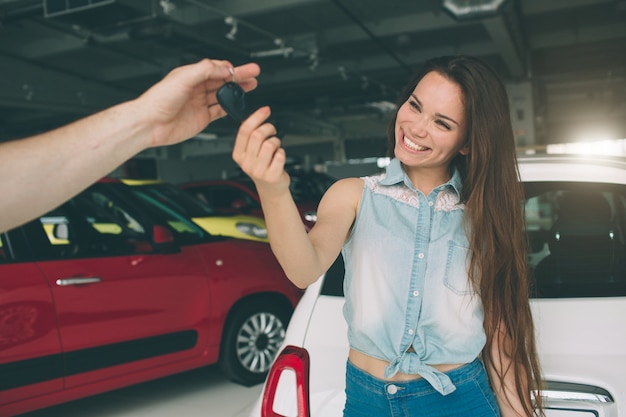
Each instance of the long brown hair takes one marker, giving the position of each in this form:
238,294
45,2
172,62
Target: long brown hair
494,218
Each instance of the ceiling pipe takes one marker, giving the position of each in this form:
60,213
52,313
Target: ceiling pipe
23,12
373,37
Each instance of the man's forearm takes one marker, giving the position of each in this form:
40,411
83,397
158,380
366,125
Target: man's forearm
60,163
43,171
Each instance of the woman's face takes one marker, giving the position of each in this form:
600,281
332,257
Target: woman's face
430,125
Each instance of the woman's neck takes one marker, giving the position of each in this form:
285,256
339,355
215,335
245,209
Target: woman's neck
427,179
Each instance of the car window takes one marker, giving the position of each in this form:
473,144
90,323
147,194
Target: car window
303,189
577,239
4,256
576,236
92,224
309,187
175,198
184,229
227,198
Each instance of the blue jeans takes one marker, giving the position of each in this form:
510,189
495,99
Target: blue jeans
368,396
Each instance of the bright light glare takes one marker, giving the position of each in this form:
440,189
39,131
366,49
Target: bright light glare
602,147
382,162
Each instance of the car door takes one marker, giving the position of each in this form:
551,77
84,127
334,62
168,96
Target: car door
122,306
30,347
577,258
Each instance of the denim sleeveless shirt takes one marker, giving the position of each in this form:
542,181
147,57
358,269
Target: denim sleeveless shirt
406,282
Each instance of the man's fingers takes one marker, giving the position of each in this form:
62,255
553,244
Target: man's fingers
244,73
218,73
216,111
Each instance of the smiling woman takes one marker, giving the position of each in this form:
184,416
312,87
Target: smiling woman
420,242
430,131
578,276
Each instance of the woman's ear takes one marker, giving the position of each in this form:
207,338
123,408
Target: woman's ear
464,150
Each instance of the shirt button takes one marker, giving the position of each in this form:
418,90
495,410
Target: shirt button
392,389
410,331
416,293
421,256
430,203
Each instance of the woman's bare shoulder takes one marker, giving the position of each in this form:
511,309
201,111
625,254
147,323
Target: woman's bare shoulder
348,184
345,189
342,194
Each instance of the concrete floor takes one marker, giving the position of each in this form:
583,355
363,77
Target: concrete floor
203,392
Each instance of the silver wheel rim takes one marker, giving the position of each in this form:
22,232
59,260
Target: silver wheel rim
258,341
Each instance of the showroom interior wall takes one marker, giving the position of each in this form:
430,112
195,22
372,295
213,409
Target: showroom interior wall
177,167
221,165
351,153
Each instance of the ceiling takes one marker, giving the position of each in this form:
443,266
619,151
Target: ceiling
329,67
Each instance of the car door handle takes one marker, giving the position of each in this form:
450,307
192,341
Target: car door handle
63,282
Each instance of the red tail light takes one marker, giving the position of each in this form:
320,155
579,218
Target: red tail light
294,359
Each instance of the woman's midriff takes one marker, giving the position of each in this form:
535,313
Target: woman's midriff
376,367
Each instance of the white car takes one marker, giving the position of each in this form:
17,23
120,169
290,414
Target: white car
576,222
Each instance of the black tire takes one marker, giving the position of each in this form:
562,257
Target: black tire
253,335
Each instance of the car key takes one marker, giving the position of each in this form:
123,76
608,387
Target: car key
232,98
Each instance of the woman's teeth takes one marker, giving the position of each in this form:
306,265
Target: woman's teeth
413,146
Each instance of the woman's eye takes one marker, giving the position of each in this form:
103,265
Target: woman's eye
414,105
443,124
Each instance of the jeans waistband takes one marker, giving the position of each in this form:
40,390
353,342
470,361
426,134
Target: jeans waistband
458,376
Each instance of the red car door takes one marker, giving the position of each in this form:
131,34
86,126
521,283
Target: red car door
30,349
122,307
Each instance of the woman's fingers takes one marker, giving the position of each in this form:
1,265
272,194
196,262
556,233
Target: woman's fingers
257,150
277,165
247,128
265,156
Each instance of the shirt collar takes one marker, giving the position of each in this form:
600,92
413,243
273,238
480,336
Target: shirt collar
395,174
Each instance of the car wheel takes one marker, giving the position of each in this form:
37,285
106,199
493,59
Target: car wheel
254,334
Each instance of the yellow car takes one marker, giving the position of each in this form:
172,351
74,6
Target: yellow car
238,226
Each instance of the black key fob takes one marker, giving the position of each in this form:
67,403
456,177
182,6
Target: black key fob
232,98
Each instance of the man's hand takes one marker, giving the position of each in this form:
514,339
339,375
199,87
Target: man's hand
183,103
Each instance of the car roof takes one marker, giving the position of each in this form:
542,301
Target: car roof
573,168
619,161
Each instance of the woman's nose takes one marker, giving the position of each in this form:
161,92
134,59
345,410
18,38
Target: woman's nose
419,127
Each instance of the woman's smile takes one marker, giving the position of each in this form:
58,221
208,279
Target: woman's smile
413,146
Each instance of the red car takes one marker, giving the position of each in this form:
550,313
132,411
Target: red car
240,196
108,290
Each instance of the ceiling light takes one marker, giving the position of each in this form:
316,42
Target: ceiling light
205,136
473,9
384,106
365,82
167,6
229,20
281,50
284,50
314,61
342,72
